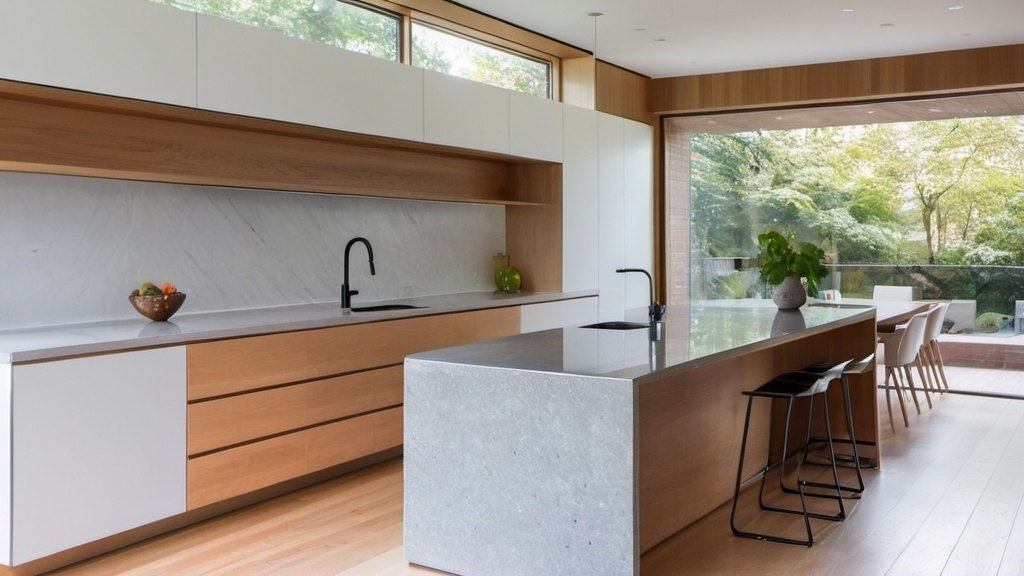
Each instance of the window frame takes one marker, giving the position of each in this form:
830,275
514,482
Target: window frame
520,52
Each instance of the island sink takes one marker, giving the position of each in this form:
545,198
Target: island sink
616,325
385,307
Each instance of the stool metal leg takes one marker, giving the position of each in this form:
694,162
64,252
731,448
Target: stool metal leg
762,472
854,461
836,486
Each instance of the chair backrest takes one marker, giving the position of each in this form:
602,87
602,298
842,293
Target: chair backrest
913,338
893,293
860,366
821,384
935,317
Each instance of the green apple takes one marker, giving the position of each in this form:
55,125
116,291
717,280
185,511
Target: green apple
508,279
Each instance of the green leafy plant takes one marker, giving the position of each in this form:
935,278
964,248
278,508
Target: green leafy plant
778,260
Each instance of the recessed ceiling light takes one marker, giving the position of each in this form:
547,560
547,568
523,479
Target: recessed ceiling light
847,10
956,7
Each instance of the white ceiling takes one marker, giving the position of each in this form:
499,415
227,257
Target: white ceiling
661,38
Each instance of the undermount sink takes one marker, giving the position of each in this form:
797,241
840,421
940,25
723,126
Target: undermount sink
616,325
385,307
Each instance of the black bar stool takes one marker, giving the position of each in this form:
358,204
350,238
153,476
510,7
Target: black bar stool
854,460
789,387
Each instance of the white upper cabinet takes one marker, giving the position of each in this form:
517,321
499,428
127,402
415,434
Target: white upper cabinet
579,200
611,197
263,73
638,209
535,127
464,113
97,447
128,48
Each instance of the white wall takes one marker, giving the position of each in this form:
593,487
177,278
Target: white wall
71,249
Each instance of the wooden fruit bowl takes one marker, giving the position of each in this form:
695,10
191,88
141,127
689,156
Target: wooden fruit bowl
158,307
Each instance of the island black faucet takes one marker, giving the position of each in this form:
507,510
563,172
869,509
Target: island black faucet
655,310
346,293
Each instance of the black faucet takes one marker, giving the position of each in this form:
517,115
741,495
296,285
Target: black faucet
655,310
346,293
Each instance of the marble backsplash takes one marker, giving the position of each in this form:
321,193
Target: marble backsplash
72,249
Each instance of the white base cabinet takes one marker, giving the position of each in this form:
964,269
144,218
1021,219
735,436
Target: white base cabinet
94,446
577,312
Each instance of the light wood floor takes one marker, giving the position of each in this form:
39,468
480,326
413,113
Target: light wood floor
947,501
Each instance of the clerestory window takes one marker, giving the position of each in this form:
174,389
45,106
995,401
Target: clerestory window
436,49
345,25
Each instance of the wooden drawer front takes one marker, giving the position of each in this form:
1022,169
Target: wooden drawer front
226,421
214,424
340,349
233,472
496,323
396,340
236,365
354,393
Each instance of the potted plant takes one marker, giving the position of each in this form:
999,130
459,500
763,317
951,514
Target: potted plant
782,267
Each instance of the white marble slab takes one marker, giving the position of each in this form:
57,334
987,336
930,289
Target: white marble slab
72,248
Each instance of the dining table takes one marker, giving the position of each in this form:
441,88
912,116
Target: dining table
888,313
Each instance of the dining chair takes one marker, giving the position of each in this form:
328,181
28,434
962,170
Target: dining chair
893,293
901,349
930,353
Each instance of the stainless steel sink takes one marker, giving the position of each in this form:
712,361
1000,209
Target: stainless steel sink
385,307
616,325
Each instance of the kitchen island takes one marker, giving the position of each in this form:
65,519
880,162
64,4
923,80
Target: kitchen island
573,451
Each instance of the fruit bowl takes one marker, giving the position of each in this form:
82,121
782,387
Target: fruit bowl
158,307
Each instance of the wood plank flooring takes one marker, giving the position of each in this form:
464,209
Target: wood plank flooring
947,501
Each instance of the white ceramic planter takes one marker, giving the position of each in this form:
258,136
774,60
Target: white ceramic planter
790,294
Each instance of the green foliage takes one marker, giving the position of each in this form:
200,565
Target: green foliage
324,21
778,260
990,322
439,50
734,286
887,193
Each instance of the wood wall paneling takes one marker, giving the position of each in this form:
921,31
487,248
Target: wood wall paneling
533,232
579,82
622,93
890,77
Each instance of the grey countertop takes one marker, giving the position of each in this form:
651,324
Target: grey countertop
691,335
50,342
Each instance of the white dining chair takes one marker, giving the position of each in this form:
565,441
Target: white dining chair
930,354
900,350
893,293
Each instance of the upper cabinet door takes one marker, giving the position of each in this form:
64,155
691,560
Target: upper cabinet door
579,200
638,209
126,48
263,73
611,197
535,127
464,113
